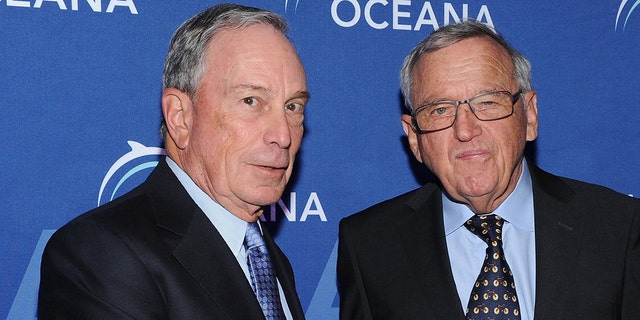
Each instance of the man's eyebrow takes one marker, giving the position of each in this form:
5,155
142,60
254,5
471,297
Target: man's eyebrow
302,95
488,90
251,87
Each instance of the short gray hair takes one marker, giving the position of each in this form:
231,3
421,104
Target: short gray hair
185,61
451,34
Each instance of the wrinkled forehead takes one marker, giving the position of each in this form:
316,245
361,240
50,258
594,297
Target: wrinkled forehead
465,54
475,49
253,56
467,67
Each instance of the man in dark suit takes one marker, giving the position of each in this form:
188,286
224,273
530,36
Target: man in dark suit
495,237
234,93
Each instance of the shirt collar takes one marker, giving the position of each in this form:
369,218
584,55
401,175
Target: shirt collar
231,228
517,209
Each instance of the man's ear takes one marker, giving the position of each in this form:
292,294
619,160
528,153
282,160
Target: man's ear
412,136
177,109
531,103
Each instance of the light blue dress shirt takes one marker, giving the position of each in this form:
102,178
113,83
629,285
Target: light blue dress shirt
467,251
231,228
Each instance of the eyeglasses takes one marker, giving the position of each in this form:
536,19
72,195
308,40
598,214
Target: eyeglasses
440,115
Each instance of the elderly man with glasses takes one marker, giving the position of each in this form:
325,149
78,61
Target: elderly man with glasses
495,237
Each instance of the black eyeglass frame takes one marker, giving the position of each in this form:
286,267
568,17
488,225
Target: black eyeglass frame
514,98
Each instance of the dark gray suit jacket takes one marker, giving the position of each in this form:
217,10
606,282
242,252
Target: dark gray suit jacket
393,261
151,254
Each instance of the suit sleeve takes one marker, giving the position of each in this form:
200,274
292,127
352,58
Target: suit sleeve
631,292
88,272
354,304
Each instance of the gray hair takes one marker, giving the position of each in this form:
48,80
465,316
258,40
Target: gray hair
185,61
451,34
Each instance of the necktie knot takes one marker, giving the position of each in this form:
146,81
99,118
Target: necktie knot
253,237
487,227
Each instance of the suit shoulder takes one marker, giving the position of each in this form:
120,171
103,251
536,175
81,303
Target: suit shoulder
120,211
597,198
585,191
390,209
583,195
126,217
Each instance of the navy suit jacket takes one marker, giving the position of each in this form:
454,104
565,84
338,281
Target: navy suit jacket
151,254
393,261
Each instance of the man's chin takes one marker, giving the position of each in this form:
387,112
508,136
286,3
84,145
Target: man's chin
266,197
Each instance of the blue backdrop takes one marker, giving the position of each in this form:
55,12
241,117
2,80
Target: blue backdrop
80,110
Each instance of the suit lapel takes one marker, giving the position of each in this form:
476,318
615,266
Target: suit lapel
206,257
558,234
198,246
422,234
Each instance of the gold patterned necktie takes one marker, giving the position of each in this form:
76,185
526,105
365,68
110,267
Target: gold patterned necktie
494,293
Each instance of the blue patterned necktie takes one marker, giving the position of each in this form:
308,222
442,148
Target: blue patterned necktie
494,293
263,279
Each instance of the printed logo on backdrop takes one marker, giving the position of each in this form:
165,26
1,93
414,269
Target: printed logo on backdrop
139,160
625,18
107,6
403,14
286,4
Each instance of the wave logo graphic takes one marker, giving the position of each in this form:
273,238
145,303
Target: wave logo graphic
140,158
286,5
623,4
